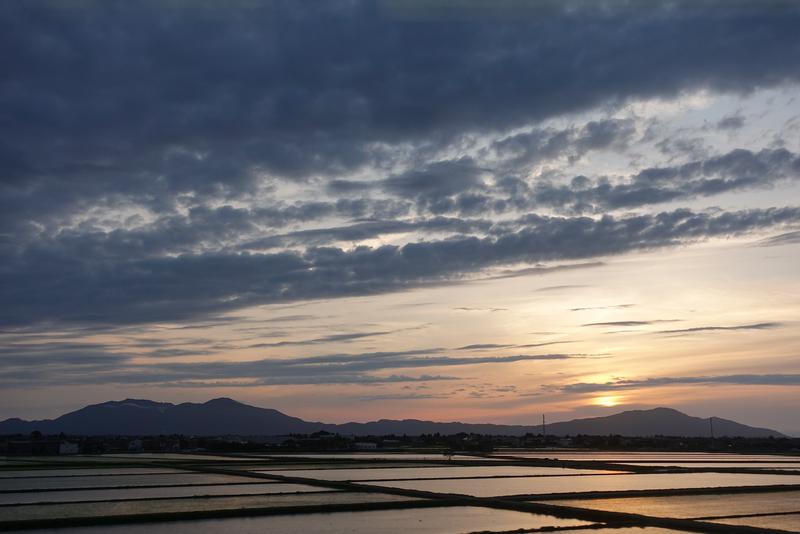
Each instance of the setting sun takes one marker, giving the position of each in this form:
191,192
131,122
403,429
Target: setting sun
608,401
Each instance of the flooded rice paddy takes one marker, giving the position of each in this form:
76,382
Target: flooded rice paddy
78,482
419,521
440,473
567,484
787,522
421,492
697,506
160,492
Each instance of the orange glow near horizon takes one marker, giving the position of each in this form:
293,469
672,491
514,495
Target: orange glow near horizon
607,401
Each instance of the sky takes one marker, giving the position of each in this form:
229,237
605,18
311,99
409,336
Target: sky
362,209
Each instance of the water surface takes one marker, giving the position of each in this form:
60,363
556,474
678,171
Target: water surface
454,520
148,506
693,506
59,482
159,492
569,484
433,472
790,522
76,472
628,456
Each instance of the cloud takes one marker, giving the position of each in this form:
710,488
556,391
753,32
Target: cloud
632,323
435,183
156,175
332,338
52,282
731,122
468,187
540,270
167,163
356,379
610,307
698,329
548,289
406,396
788,238
361,368
61,353
492,346
548,343
289,318
533,146
136,107
468,309
736,170
484,346
743,379
368,230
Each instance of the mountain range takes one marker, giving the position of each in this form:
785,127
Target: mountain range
136,417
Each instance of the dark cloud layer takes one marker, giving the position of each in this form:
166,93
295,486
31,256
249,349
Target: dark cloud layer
50,282
369,229
462,187
736,170
177,161
146,102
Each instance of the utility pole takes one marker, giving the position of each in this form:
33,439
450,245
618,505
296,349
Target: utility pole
544,429
711,424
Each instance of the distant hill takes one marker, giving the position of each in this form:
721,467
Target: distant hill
226,416
144,417
658,421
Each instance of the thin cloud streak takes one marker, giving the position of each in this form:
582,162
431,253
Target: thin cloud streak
633,323
741,379
699,329
332,368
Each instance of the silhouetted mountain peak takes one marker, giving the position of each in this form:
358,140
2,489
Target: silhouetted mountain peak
659,413
660,410
223,402
133,403
657,421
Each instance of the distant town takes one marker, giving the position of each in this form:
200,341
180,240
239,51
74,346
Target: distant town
37,443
